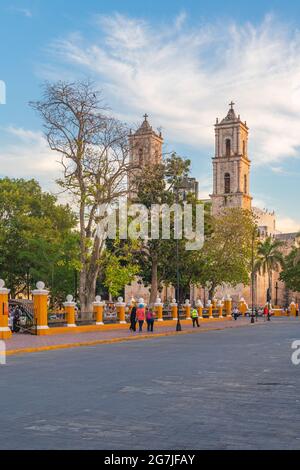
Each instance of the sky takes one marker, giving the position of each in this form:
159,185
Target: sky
181,61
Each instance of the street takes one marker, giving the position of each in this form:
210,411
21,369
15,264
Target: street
231,389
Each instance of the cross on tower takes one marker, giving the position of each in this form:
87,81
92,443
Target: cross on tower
231,104
146,116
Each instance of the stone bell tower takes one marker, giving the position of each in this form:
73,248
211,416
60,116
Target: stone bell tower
231,165
145,148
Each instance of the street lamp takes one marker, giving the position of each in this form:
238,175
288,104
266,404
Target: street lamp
178,326
276,288
253,275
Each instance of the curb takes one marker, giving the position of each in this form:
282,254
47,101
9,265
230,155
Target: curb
54,347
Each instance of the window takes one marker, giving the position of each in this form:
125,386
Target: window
244,148
228,147
245,184
227,183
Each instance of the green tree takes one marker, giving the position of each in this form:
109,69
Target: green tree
269,258
291,269
227,250
157,185
37,239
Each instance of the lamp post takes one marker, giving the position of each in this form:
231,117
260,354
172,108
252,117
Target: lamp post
276,288
178,326
252,276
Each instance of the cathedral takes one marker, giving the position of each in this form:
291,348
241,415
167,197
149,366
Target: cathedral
231,188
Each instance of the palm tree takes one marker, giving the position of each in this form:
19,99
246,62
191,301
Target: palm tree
269,258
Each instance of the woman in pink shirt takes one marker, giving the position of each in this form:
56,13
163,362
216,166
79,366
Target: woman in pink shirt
140,314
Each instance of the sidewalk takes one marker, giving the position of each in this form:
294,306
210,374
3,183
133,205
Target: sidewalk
21,344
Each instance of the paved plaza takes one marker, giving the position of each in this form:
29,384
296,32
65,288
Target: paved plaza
229,389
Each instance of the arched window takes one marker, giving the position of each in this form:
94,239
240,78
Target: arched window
141,160
227,183
245,184
244,148
228,147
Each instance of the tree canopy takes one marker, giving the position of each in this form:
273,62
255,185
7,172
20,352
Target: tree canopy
37,239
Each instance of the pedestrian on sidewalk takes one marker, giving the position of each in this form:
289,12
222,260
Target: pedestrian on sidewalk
235,313
195,318
140,313
266,313
133,319
150,319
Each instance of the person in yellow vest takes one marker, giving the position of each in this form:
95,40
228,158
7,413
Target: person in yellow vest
195,318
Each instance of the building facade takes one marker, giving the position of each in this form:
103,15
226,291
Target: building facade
231,188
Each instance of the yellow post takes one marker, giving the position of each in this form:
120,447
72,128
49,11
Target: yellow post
159,309
40,305
214,303
5,331
187,308
220,307
243,307
228,307
121,311
98,306
174,309
70,311
199,306
293,309
210,309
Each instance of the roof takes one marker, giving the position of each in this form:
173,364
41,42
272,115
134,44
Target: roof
145,128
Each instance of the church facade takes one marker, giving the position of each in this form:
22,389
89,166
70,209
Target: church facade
231,188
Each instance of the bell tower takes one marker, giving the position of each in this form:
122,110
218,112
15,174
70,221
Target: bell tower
145,149
231,165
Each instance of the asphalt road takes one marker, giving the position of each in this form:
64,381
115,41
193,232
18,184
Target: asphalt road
231,389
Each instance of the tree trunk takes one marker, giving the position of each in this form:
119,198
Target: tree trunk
211,292
270,283
154,280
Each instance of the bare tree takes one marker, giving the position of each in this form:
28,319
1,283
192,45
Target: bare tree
94,156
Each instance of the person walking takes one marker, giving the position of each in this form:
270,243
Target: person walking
266,313
195,318
150,319
133,319
235,313
140,313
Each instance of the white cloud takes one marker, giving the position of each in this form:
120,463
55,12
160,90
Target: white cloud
287,224
23,11
185,76
29,156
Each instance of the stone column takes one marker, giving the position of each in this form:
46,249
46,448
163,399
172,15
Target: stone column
220,307
174,309
243,307
187,308
70,311
293,309
228,306
199,306
98,307
40,305
5,331
121,311
210,309
159,309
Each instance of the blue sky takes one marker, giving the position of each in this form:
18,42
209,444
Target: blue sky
181,62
